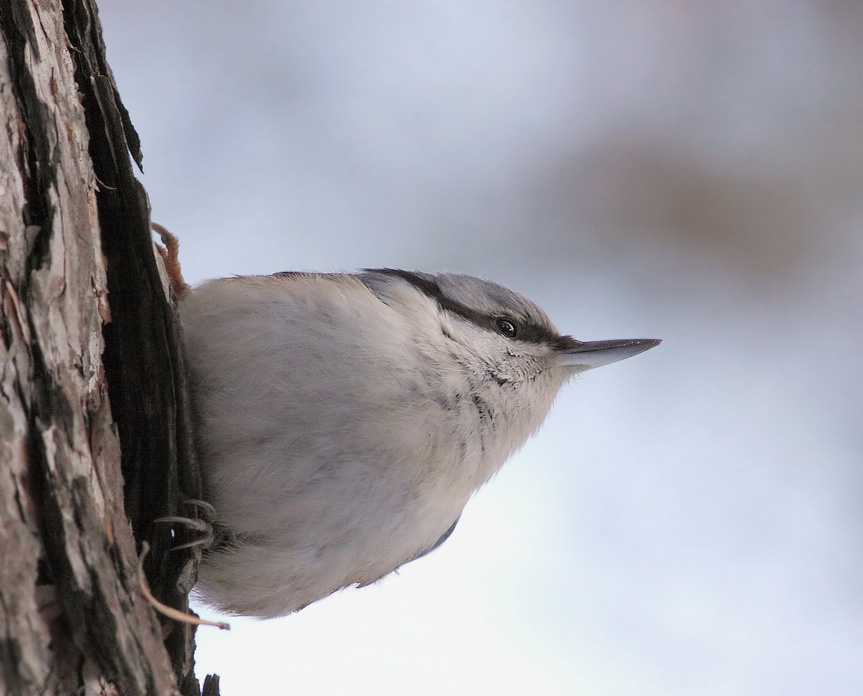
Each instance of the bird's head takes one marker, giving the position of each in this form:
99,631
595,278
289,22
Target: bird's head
502,336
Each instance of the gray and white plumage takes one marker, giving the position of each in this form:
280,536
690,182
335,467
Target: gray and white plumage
344,420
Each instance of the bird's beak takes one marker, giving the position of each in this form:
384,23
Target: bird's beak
587,355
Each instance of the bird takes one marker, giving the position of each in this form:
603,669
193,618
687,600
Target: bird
344,420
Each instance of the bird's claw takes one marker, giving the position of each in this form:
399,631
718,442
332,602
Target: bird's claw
199,525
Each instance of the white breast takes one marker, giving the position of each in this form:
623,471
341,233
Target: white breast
326,474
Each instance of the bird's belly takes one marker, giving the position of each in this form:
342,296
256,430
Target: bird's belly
307,534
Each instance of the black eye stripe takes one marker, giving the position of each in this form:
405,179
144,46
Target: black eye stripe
530,333
430,288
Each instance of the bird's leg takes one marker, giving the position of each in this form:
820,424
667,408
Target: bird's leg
171,256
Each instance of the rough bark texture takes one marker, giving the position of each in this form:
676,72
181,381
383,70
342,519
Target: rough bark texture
91,379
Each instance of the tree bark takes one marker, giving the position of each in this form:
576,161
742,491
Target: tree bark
92,380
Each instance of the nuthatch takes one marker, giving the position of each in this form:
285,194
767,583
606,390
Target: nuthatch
344,420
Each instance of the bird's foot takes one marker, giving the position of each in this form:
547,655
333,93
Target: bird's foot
171,256
201,524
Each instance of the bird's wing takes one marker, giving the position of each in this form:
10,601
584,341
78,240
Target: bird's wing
440,541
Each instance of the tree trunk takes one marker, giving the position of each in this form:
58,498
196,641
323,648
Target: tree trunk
92,389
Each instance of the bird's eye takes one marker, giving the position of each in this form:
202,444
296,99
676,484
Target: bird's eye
506,328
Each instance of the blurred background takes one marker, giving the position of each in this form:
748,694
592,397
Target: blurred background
688,521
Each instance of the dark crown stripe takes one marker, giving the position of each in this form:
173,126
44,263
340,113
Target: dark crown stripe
430,288
531,333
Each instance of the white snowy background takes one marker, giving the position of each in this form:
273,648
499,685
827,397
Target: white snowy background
687,521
